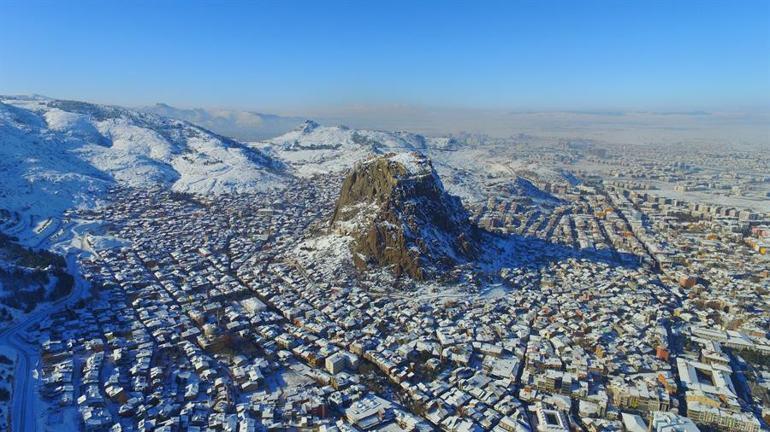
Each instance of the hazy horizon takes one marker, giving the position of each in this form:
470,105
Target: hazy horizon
631,73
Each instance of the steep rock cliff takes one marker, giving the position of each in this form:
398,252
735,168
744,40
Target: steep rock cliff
399,215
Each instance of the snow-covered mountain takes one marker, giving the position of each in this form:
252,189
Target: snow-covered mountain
57,154
315,149
243,125
465,163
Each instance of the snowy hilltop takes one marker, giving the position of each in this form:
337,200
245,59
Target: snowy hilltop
57,154
315,149
464,162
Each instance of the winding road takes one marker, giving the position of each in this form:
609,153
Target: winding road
23,404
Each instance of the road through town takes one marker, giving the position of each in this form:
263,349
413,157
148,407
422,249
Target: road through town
23,407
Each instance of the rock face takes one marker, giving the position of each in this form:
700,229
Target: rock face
399,215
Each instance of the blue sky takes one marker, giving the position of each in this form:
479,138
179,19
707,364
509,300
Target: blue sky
288,56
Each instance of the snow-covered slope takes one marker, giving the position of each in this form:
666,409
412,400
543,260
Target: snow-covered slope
57,154
314,149
28,277
464,162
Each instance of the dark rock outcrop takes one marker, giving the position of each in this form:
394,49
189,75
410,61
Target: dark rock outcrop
399,215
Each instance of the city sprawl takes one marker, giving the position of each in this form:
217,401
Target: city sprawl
624,308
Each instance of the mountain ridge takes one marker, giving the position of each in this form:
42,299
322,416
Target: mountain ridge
58,154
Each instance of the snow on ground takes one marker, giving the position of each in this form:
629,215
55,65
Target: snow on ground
328,253
56,155
312,149
82,235
7,369
463,165
363,213
668,190
414,165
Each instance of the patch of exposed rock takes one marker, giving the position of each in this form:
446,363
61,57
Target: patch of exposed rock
399,215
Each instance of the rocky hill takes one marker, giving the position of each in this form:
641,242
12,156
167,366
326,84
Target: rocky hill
399,215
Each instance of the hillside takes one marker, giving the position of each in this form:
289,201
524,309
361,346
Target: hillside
315,149
28,277
466,163
57,154
398,214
